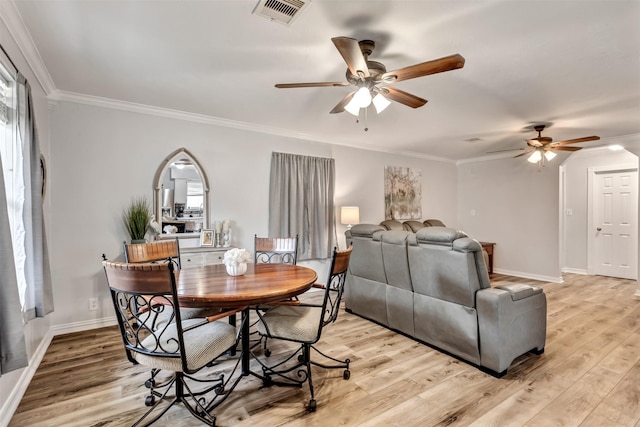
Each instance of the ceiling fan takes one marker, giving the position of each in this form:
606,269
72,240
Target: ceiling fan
370,77
542,148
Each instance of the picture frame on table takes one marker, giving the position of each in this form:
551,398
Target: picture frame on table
166,212
206,237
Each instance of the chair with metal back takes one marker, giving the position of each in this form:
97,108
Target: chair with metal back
183,346
270,250
159,250
274,250
162,251
302,323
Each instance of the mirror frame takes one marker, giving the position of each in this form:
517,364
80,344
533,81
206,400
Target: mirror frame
181,153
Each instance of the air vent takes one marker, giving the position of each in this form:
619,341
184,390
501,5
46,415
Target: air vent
283,11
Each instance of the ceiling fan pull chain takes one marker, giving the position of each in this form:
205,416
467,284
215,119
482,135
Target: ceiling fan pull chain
366,121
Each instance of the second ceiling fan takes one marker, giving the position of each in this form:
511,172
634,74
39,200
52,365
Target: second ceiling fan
544,144
542,148
370,77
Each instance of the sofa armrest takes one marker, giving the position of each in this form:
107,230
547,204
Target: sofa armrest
518,291
512,320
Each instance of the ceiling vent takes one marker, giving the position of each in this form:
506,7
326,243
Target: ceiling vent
283,11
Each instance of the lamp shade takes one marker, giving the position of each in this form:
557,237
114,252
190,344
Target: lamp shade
352,107
349,215
535,157
362,98
380,102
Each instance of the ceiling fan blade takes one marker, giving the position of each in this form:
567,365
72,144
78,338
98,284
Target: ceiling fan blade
523,154
574,141
339,108
502,151
318,84
350,50
561,148
447,63
402,97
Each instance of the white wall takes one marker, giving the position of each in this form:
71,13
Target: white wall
102,157
509,202
35,331
576,199
360,178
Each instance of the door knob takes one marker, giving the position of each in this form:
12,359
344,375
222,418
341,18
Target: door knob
599,229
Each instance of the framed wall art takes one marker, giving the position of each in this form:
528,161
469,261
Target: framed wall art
402,193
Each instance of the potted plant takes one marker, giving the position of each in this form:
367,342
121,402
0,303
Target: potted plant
136,219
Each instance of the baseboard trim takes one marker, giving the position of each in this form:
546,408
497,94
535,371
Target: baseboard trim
11,405
83,326
575,271
529,276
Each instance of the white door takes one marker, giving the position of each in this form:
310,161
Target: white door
614,227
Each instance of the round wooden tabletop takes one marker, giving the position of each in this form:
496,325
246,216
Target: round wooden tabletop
211,286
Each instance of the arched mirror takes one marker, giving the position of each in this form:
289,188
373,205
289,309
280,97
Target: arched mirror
181,200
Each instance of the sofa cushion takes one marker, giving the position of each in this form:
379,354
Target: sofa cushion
391,224
413,225
433,223
466,245
394,258
365,230
442,236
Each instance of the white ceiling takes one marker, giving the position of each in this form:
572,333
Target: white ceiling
574,64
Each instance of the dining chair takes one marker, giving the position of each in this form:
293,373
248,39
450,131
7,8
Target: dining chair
302,323
271,250
183,346
159,250
163,251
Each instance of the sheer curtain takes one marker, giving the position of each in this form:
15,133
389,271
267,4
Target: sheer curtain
25,279
301,202
13,352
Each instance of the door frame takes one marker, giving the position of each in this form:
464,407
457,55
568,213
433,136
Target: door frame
591,196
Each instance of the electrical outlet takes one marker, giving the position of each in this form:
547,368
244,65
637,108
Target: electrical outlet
93,304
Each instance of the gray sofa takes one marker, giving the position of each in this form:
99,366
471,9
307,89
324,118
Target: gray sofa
433,285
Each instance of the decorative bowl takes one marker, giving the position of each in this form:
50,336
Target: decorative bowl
236,270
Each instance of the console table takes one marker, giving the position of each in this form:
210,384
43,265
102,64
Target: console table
201,256
488,247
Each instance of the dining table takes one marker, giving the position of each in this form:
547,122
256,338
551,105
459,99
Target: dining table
211,286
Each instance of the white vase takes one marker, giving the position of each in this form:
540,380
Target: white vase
236,270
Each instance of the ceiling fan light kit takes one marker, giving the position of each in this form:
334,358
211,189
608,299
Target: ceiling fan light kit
380,102
369,78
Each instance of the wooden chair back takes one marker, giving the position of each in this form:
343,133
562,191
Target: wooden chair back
335,285
153,251
275,250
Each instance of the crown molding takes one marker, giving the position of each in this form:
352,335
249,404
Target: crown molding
133,107
13,20
97,101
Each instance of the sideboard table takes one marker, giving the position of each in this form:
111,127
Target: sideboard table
488,247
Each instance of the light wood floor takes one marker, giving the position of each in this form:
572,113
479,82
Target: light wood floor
589,375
